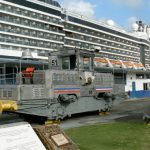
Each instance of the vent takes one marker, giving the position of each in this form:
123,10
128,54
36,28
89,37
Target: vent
7,94
38,92
4,93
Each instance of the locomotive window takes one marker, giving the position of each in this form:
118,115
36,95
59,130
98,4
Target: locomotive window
65,63
72,62
86,63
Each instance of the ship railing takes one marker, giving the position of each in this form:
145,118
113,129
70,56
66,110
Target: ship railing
41,26
8,79
30,43
103,23
43,18
37,77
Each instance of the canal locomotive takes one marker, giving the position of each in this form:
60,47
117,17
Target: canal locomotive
69,86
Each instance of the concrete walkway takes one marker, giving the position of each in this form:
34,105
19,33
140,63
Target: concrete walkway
128,110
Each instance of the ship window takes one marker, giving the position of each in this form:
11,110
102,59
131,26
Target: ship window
86,63
139,76
146,86
147,76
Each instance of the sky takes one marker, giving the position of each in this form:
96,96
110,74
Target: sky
123,12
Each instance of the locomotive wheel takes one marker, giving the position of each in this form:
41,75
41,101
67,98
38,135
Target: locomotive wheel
60,113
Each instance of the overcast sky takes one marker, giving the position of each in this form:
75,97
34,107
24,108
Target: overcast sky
122,12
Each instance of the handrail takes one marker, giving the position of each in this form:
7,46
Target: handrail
14,78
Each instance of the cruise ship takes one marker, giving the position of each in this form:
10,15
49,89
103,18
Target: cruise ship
42,26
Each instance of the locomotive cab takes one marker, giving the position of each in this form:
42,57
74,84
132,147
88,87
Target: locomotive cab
77,60
71,60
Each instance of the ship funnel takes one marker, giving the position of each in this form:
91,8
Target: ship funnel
27,54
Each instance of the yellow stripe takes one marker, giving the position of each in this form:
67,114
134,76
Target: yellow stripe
8,105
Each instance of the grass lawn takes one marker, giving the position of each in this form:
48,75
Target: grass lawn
114,136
